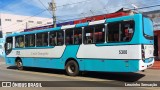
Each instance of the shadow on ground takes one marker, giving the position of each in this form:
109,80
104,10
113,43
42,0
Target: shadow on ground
124,77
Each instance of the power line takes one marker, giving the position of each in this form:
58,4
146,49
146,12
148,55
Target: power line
44,6
45,10
148,7
131,9
101,9
73,3
122,5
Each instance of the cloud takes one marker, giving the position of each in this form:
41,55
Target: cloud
72,11
37,3
97,7
82,9
25,7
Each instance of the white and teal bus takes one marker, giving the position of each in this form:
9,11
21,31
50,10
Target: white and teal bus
122,44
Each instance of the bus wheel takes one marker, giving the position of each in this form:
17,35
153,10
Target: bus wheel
72,68
19,65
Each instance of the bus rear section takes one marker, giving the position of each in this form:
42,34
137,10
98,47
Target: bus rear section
147,57
119,54
147,44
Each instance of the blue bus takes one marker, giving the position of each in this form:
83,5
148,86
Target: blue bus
122,44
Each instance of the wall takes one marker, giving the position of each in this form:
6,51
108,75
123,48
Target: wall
27,22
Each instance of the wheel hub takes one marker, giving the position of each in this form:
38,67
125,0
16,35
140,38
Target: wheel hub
71,68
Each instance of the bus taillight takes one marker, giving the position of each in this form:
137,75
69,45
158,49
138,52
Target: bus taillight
143,52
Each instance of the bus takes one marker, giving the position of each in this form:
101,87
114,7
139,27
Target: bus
122,44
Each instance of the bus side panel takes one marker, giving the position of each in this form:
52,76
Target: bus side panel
136,39
54,63
10,61
71,52
43,63
112,65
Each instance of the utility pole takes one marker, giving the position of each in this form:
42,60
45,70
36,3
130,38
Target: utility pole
53,7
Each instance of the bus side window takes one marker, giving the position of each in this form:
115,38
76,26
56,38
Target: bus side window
116,37
88,35
120,31
78,36
38,40
60,38
19,42
99,33
69,37
53,38
113,31
42,39
30,40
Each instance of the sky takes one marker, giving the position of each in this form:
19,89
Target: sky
68,10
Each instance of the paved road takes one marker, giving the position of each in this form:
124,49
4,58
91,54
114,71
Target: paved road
97,79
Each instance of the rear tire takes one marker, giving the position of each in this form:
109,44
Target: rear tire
72,68
19,65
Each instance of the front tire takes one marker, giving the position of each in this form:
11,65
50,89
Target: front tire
19,65
72,68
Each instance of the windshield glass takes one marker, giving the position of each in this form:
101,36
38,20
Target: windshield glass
148,27
8,45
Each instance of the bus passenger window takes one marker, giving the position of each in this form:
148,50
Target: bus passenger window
69,36
99,33
78,36
120,31
113,32
60,38
42,39
30,40
19,41
53,38
88,35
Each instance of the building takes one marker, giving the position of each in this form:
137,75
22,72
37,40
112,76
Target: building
17,23
10,23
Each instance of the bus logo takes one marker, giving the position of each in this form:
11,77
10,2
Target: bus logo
17,52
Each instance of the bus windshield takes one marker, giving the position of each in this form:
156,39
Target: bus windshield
8,45
148,27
